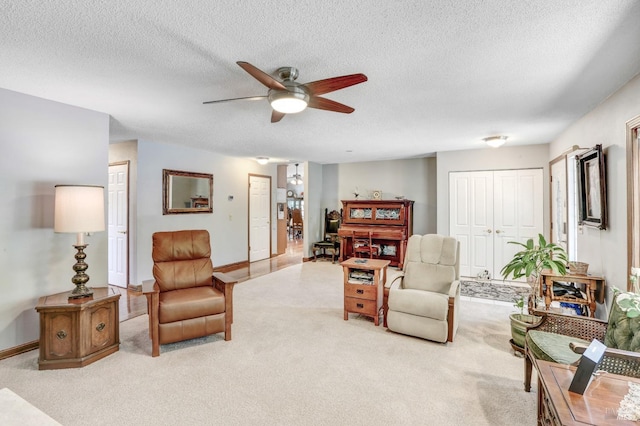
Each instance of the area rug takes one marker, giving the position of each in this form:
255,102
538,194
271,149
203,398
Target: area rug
503,292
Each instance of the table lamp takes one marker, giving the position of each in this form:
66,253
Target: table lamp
79,209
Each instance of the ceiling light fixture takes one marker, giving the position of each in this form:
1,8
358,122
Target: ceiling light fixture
495,141
262,160
297,179
290,101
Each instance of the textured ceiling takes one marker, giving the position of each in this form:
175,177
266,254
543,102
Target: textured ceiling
442,74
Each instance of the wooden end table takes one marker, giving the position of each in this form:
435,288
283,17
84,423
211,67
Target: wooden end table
594,288
77,332
598,405
364,281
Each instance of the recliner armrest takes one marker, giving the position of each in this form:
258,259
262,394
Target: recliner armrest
223,282
396,277
454,289
150,286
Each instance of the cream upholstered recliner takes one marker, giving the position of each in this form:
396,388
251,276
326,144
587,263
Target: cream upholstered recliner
187,299
423,300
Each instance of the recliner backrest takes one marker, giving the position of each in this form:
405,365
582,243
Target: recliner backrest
182,259
432,263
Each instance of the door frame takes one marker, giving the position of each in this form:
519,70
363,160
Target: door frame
633,196
126,163
249,215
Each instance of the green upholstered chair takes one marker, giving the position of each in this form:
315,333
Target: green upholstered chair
330,244
562,338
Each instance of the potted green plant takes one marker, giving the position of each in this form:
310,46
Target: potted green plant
520,322
530,262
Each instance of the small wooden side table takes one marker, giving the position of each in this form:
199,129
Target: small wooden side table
364,281
598,406
593,287
77,332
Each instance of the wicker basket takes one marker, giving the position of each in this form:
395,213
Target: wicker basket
578,268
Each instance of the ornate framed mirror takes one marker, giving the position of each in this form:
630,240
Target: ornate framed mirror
186,192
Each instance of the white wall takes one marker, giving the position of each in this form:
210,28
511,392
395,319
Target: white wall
313,208
44,143
228,224
503,158
414,178
605,250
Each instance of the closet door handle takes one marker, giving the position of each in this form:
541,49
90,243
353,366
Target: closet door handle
488,231
498,231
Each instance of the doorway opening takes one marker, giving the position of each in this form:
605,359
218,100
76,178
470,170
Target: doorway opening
118,224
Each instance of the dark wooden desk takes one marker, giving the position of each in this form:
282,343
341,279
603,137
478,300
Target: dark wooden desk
598,406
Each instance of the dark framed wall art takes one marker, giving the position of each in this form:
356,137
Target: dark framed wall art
592,188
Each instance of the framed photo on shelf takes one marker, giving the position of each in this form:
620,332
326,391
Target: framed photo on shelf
592,188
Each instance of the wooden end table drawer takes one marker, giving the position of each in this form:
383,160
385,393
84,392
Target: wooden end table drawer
361,291
361,306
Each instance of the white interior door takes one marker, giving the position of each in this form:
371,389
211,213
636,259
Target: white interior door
118,224
259,217
518,211
471,219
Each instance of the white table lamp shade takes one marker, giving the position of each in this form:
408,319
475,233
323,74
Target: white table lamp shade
79,208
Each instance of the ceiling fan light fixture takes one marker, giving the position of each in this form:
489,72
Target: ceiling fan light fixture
495,141
289,101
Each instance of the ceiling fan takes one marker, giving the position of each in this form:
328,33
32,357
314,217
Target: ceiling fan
289,97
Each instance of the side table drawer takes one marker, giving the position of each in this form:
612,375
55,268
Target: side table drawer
361,306
360,291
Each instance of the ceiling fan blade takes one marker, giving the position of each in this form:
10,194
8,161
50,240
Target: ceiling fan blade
247,98
261,76
320,87
329,105
276,116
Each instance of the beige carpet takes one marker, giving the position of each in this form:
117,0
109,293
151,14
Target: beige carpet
293,360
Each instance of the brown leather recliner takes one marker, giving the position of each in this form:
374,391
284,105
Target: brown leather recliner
187,299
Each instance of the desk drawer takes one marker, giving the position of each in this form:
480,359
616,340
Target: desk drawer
361,306
360,291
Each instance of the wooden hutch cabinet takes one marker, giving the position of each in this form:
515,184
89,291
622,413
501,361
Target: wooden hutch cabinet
388,223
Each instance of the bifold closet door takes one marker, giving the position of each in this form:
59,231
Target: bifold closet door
471,219
490,208
517,212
